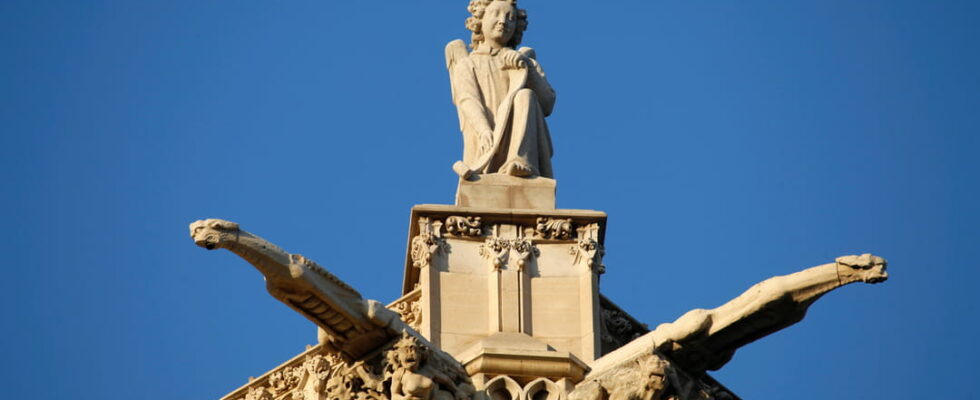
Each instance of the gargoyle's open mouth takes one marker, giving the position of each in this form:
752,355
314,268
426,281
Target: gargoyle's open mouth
877,279
208,242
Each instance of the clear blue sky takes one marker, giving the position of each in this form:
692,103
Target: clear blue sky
729,141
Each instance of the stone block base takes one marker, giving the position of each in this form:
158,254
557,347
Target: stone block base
505,191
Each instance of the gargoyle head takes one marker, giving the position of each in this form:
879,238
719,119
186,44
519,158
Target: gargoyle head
213,233
865,268
408,353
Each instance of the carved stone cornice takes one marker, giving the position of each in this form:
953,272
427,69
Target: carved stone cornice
558,226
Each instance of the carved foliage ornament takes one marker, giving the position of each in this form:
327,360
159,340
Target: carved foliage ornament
464,226
618,329
638,378
589,252
258,393
286,379
554,228
525,249
495,250
410,312
426,243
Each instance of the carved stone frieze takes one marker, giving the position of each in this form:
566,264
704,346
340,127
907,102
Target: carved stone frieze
428,242
406,370
554,228
640,378
286,379
683,386
464,226
258,393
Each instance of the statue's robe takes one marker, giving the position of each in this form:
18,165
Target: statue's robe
481,78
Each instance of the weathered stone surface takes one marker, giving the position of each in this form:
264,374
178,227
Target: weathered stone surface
502,96
504,191
352,324
707,339
518,274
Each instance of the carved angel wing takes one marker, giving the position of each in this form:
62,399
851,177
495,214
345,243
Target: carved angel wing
455,50
528,52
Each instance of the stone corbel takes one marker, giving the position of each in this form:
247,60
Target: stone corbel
588,251
525,249
428,242
495,250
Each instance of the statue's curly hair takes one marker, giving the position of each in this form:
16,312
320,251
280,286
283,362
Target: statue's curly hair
475,22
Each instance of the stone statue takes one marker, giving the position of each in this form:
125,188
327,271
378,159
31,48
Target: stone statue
414,375
501,95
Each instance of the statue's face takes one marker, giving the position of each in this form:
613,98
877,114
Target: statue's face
499,22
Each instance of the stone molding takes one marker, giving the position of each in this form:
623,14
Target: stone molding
432,225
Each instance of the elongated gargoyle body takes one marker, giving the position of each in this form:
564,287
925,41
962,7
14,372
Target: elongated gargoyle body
707,339
352,324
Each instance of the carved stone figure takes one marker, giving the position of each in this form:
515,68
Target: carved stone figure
501,94
640,378
415,377
353,324
707,339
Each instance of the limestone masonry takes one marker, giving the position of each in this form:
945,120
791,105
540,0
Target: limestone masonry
501,296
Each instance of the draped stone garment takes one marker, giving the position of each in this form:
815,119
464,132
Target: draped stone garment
481,78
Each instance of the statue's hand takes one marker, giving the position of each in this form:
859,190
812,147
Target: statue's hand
513,59
486,141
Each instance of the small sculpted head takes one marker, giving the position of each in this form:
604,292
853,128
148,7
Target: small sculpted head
408,352
213,233
496,21
864,268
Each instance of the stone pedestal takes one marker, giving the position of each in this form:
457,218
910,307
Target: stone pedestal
489,275
505,191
